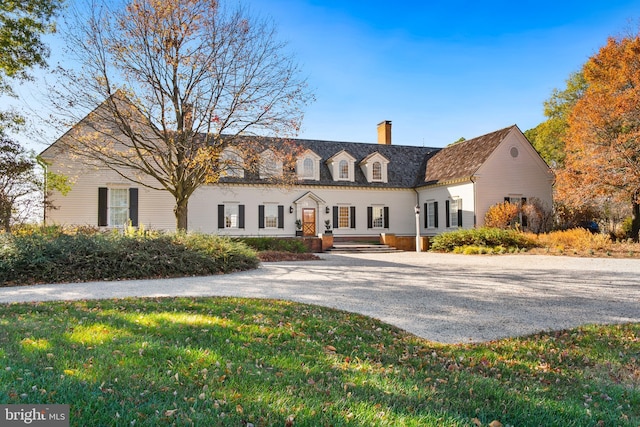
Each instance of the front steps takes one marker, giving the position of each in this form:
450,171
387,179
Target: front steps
360,247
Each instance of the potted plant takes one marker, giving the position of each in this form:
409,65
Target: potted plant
298,228
327,227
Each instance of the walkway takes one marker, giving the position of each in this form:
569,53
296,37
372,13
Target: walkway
441,297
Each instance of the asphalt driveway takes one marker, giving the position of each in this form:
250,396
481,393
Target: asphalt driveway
441,297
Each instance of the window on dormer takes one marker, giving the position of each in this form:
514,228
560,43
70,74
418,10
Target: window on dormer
343,168
376,171
307,169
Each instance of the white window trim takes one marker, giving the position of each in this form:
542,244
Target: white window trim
111,208
308,155
431,219
228,215
348,216
380,218
267,208
233,163
270,165
334,166
453,213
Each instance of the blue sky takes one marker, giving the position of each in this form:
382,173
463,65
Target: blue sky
439,70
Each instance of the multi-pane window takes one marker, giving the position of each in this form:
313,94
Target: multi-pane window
376,171
378,217
343,168
517,201
271,216
431,215
308,171
453,213
118,207
344,219
231,215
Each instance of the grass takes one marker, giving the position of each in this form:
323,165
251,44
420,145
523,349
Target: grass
236,362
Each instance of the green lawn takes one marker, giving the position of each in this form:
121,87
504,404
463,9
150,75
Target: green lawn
238,362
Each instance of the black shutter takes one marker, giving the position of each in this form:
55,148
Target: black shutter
459,212
280,216
241,216
353,216
261,216
447,211
221,221
336,223
435,214
524,217
133,206
369,217
102,207
386,217
425,212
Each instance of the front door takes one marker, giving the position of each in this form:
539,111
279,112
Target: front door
308,222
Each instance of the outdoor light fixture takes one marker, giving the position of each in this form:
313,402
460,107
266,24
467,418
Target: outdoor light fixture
327,210
290,209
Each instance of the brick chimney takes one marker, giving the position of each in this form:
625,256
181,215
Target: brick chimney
384,132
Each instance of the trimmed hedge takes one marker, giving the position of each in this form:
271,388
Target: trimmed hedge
55,257
482,237
274,244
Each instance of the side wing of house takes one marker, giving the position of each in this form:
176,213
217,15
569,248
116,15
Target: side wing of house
100,197
513,172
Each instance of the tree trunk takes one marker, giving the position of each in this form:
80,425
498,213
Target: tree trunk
5,217
635,219
181,210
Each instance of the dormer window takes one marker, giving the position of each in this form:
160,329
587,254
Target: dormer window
270,165
308,166
307,169
342,166
376,171
232,163
344,169
374,167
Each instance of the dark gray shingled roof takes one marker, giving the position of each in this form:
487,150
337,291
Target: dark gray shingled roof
408,167
405,169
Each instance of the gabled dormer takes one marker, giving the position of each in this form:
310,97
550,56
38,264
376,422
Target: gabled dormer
342,166
308,166
374,167
270,165
232,163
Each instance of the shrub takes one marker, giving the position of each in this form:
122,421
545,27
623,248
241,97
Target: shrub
501,215
274,244
539,216
482,237
575,238
53,256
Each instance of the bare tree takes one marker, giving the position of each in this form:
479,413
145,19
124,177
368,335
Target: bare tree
18,181
183,80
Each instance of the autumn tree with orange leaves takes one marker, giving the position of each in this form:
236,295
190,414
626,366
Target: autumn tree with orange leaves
603,137
182,80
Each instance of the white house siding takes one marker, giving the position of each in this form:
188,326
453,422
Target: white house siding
441,193
203,208
80,205
502,175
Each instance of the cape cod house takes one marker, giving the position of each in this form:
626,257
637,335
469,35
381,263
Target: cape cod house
358,189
